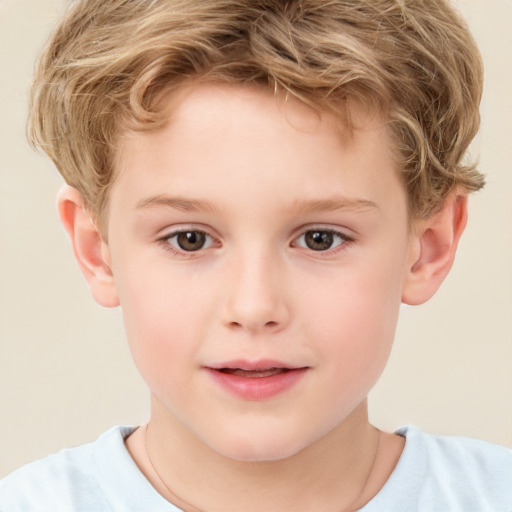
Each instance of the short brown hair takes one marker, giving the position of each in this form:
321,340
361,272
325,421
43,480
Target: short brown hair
109,63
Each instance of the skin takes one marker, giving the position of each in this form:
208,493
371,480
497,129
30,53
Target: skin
272,173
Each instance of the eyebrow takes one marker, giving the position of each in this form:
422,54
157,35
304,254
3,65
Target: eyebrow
304,206
334,204
178,203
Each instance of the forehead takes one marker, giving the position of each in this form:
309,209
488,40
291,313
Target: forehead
207,110
233,134
210,110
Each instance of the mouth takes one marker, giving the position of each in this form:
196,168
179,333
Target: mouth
254,369
259,380
254,374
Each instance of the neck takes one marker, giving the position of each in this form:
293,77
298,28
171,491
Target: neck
336,473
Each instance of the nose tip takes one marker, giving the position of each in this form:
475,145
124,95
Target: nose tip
256,300
255,314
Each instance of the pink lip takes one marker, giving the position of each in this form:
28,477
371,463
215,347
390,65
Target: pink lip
267,378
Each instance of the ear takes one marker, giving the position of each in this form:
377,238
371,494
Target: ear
91,252
434,244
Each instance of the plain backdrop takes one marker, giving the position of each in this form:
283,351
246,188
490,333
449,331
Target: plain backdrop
65,371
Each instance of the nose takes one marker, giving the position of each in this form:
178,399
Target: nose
256,295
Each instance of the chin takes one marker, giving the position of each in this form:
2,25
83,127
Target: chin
255,452
259,447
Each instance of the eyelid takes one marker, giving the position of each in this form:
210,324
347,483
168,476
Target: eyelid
172,232
328,229
168,234
342,231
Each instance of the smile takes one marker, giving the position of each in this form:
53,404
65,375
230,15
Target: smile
253,374
257,381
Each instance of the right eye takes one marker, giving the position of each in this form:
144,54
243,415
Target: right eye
322,240
189,240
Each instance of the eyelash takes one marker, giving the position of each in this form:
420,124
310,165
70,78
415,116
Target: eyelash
166,244
344,240
341,246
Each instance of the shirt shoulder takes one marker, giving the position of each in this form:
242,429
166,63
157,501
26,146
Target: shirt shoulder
474,459
447,474
65,481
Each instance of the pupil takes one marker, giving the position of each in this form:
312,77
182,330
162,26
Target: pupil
319,240
191,240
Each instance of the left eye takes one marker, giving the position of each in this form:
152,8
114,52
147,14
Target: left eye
321,239
190,241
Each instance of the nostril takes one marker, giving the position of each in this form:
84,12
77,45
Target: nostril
268,325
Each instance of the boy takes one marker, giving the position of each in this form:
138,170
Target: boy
260,185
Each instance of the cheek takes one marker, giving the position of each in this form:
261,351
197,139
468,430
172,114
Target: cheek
165,321
353,317
358,336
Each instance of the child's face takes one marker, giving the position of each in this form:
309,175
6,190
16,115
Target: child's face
298,247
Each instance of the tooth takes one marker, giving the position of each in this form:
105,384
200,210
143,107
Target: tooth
254,373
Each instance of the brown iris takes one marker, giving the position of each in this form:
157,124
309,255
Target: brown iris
191,240
319,240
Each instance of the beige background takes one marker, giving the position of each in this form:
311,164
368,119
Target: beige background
65,372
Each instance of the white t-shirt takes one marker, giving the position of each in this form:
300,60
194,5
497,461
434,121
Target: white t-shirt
434,474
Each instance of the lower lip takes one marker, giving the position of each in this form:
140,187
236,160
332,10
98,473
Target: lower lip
257,388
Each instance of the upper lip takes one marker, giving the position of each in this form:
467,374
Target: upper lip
261,364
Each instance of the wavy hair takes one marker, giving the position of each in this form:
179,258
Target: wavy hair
108,65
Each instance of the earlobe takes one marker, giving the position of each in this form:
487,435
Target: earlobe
434,244
91,252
